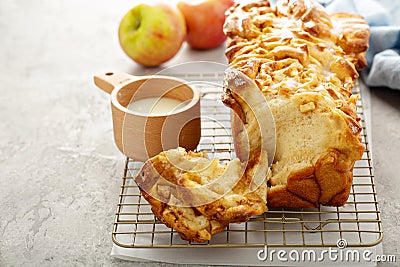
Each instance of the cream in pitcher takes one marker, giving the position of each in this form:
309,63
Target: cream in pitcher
155,105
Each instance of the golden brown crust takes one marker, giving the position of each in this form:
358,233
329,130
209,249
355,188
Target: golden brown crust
353,32
197,196
302,183
280,196
305,63
174,218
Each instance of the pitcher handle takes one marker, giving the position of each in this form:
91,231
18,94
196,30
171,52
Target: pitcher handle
109,80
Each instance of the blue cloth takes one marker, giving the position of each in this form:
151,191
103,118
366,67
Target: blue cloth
383,17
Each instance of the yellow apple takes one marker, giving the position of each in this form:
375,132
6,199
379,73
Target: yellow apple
152,34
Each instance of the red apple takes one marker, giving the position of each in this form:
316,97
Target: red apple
152,34
204,22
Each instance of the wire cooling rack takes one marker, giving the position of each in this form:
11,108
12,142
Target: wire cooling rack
356,224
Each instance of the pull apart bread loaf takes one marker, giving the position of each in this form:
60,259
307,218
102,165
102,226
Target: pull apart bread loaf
199,197
305,63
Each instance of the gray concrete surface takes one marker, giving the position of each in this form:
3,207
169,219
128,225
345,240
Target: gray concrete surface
59,168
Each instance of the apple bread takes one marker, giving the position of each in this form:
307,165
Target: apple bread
305,63
198,197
